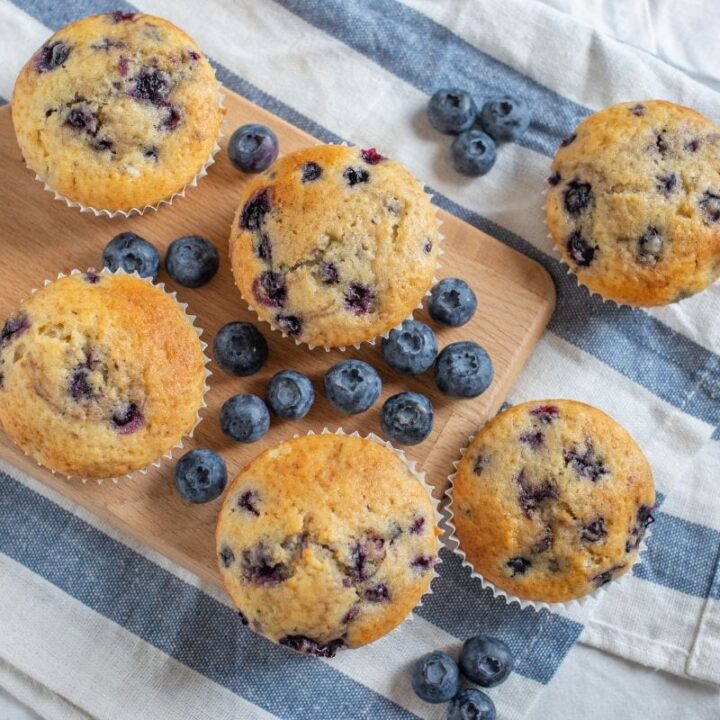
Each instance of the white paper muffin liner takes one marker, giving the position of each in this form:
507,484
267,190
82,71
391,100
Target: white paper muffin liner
97,212
207,373
382,336
411,465
453,543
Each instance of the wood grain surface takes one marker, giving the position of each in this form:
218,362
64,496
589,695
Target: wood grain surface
41,237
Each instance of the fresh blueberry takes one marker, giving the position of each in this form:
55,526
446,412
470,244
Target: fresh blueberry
244,418
463,369
473,153
471,704
435,677
200,475
407,418
452,111
486,661
192,261
240,348
253,148
411,349
452,302
290,394
131,253
352,386
505,118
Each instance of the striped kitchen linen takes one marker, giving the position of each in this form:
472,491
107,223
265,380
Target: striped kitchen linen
115,631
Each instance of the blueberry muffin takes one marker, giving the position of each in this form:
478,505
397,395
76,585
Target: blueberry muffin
634,202
551,500
334,245
117,111
326,541
100,375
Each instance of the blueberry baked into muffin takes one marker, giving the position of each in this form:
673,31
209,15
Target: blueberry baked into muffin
100,375
634,202
326,541
117,111
334,245
551,500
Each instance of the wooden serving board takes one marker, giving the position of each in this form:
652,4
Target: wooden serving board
41,237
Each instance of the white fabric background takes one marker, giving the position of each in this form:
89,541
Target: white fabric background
583,683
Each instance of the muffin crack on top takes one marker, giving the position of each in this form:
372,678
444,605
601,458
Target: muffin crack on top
117,114
334,245
329,539
634,202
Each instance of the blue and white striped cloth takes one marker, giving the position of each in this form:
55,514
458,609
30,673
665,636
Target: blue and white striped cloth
93,625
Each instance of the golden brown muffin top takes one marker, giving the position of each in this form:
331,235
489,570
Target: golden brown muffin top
100,375
551,500
334,245
326,541
117,111
634,202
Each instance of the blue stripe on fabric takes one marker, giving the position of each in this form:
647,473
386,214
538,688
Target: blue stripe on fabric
428,56
667,363
175,617
152,603
716,434
683,556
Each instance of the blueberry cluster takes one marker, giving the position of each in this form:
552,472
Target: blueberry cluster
462,369
473,152
240,349
484,661
191,260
